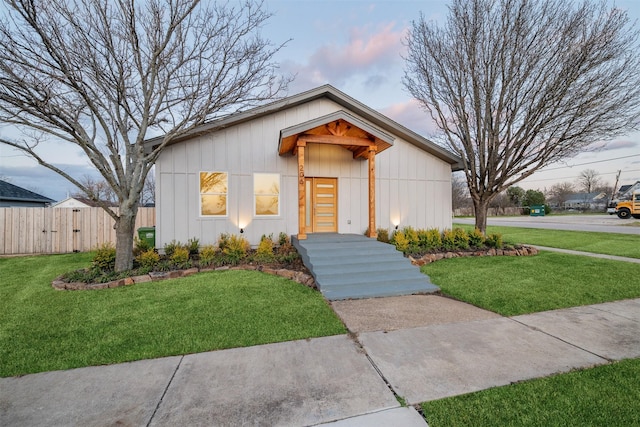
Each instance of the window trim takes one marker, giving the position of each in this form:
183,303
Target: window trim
200,194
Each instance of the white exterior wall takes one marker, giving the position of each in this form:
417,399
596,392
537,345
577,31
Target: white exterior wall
412,186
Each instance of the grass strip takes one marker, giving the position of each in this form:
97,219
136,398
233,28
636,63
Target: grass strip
42,329
602,396
625,245
520,285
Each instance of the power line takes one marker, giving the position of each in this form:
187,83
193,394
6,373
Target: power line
577,176
591,163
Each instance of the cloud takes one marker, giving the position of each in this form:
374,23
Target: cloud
411,115
620,144
44,181
368,52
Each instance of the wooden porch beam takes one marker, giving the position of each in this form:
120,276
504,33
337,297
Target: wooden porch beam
372,192
302,197
335,140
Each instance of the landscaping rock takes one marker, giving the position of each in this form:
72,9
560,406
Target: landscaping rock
158,275
189,272
141,279
97,286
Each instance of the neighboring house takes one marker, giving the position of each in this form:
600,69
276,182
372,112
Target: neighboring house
78,202
14,196
587,201
315,162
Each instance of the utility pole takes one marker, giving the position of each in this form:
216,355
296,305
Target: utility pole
615,187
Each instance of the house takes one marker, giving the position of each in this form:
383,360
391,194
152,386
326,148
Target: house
587,201
14,196
78,202
316,162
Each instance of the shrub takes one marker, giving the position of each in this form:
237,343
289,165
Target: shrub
434,238
234,248
383,235
412,235
476,238
193,245
148,259
400,241
494,240
264,253
105,258
283,239
207,255
180,257
170,248
140,246
448,240
460,238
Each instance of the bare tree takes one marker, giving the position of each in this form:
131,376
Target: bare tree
459,192
96,190
559,193
106,75
589,180
515,85
149,191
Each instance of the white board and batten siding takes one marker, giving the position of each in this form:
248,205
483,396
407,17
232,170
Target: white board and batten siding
412,186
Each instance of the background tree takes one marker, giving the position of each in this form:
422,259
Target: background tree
96,190
515,85
589,180
459,192
559,193
533,197
516,195
106,75
149,191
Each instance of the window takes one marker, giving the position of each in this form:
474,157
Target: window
266,191
213,193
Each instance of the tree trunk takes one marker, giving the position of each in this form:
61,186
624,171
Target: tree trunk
124,239
481,208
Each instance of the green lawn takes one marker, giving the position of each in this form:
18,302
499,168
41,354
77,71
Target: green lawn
42,329
627,245
603,396
518,285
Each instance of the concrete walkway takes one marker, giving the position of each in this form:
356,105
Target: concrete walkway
603,256
347,380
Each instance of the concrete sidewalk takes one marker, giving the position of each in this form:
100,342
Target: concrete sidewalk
341,380
590,254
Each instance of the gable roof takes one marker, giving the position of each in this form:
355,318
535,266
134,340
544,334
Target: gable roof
12,192
84,200
327,91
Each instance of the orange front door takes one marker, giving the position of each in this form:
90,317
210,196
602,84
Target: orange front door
322,205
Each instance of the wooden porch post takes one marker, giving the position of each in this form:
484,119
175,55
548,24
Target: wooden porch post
372,192
302,196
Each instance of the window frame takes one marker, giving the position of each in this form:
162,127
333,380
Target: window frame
201,193
255,195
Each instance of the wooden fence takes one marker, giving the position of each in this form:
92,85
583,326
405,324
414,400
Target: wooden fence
60,230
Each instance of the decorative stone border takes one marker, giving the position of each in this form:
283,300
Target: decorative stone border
154,276
516,251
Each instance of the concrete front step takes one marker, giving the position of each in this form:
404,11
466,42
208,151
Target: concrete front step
380,289
380,265
348,266
362,277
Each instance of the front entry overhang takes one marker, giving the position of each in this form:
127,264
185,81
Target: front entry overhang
339,128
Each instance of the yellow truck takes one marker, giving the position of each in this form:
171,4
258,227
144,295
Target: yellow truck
629,208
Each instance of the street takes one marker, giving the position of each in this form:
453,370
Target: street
601,223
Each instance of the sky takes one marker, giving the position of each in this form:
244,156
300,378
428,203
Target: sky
356,46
